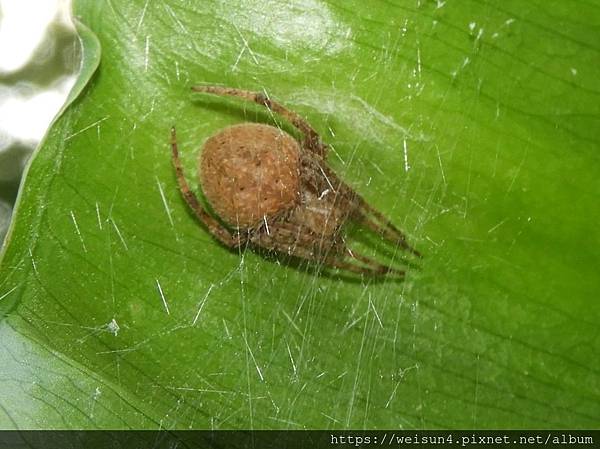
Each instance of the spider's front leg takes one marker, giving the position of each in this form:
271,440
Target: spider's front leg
377,222
312,140
364,213
214,227
297,241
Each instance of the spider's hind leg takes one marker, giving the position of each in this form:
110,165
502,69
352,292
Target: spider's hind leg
312,140
214,227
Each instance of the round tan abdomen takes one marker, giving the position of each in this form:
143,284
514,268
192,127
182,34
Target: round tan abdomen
250,172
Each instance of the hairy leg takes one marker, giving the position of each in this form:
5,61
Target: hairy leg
214,227
383,269
363,212
380,224
312,140
296,241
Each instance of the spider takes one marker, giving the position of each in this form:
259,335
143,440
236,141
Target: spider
270,191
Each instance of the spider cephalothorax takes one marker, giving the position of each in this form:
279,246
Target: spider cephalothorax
274,192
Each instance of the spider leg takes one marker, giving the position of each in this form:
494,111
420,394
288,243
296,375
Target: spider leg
381,225
364,213
383,269
360,269
215,228
298,242
312,140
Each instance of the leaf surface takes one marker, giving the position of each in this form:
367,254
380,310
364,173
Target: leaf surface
474,126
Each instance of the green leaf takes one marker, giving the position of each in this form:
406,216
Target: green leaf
475,126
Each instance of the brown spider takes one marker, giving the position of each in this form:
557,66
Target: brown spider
275,193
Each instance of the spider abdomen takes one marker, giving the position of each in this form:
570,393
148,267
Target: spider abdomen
250,173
